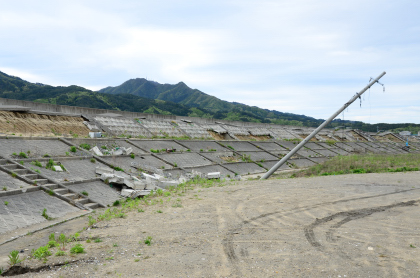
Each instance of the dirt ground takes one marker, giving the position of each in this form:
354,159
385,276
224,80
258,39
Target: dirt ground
26,124
364,225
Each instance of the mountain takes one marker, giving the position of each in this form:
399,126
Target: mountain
141,95
16,88
182,94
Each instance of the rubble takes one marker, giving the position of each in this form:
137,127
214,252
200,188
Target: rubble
96,151
214,175
57,168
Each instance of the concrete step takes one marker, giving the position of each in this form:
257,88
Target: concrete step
51,186
30,176
71,196
61,191
20,171
82,201
91,205
11,166
3,161
40,181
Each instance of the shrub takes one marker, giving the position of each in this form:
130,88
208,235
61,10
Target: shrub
45,215
60,253
23,155
84,193
92,160
78,248
148,240
73,149
118,169
85,146
52,244
36,163
132,156
14,258
41,253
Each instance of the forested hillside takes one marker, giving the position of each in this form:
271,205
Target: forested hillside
141,95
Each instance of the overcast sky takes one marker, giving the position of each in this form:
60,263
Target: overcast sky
303,56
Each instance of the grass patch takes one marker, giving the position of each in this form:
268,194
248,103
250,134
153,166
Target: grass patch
360,164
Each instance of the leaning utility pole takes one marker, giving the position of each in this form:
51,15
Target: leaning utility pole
310,136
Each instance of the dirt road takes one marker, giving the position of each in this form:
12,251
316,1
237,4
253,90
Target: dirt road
336,226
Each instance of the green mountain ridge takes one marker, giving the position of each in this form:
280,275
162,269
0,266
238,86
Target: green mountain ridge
141,95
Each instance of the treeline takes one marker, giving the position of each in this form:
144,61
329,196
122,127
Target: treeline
140,95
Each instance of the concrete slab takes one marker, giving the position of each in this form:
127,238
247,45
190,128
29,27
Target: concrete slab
76,169
258,156
193,130
35,148
327,153
105,145
218,156
162,128
269,146
211,168
143,161
239,145
205,146
270,164
10,183
185,159
244,168
301,162
158,145
97,191
26,209
287,144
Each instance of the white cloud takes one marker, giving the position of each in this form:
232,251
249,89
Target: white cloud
301,56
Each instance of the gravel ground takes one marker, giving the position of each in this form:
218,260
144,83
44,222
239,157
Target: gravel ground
363,225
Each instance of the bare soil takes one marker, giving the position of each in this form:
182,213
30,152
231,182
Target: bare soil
27,124
364,225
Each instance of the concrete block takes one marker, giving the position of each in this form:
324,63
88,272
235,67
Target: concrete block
101,170
140,193
117,179
166,184
127,151
96,151
117,152
214,175
94,134
127,192
108,176
58,168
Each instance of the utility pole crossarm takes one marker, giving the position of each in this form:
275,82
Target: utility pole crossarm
310,136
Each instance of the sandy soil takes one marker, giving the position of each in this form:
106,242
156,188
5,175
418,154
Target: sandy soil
25,124
335,226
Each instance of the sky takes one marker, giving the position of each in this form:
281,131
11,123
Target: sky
303,56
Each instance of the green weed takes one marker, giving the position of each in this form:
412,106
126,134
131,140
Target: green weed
78,248
148,240
14,257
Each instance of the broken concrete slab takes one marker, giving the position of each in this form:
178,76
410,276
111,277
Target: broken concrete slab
57,168
127,151
96,151
117,152
214,175
126,192
101,170
166,184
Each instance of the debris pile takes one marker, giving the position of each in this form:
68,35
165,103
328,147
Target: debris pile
132,186
115,151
